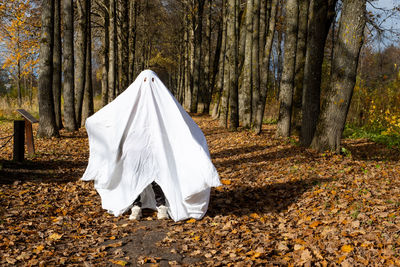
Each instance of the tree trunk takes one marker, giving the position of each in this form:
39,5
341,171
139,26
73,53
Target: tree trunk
286,90
207,90
279,67
80,63
57,63
215,65
19,89
132,39
124,46
88,106
224,78
221,67
300,62
320,19
198,28
68,66
246,88
190,58
255,62
232,56
265,68
112,52
105,51
47,119
346,54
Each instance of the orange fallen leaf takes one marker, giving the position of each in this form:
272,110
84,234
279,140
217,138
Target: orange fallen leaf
119,262
38,249
226,182
191,221
315,224
347,248
55,236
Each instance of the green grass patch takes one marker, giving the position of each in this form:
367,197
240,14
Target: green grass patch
391,141
270,121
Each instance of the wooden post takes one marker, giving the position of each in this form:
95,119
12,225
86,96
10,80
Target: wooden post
29,138
29,119
19,140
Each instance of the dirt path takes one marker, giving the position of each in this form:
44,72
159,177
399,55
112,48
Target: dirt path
280,205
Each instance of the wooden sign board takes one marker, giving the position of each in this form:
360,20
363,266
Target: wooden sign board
27,115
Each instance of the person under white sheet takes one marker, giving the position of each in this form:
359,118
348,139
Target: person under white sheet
144,137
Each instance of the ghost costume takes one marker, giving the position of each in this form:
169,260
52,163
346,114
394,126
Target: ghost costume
145,135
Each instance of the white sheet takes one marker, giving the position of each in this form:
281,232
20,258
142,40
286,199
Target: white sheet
145,135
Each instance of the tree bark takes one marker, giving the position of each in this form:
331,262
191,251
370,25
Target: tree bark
105,51
246,88
255,62
124,59
132,39
320,19
57,63
223,114
198,28
265,67
300,63
232,64
221,68
80,63
286,90
88,105
215,66
207,90
345,61
112,52
47,120
68,66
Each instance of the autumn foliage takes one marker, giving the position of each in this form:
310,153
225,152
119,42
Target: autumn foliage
279,204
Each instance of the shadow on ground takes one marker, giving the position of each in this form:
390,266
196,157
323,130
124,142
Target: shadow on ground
56,171
245,200
363,149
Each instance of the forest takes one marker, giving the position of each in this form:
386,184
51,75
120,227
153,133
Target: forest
299,101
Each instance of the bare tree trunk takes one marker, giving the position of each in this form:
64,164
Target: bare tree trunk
124,59
279,67
19,89
57,63
232,56
198,28
221,66
105,51
286,91
320,19
245,91
255,62
132,39
80,63
223,114
112,52
214,90
346,54
47,120
207,90
300,63
265,67
88,105
68,66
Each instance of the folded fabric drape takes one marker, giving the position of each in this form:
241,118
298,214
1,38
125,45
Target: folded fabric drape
145,135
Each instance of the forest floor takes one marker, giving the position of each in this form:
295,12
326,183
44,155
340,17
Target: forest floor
280,204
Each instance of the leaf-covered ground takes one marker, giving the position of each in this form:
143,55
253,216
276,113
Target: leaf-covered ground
280,204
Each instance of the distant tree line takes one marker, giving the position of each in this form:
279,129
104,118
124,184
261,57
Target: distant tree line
220,57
